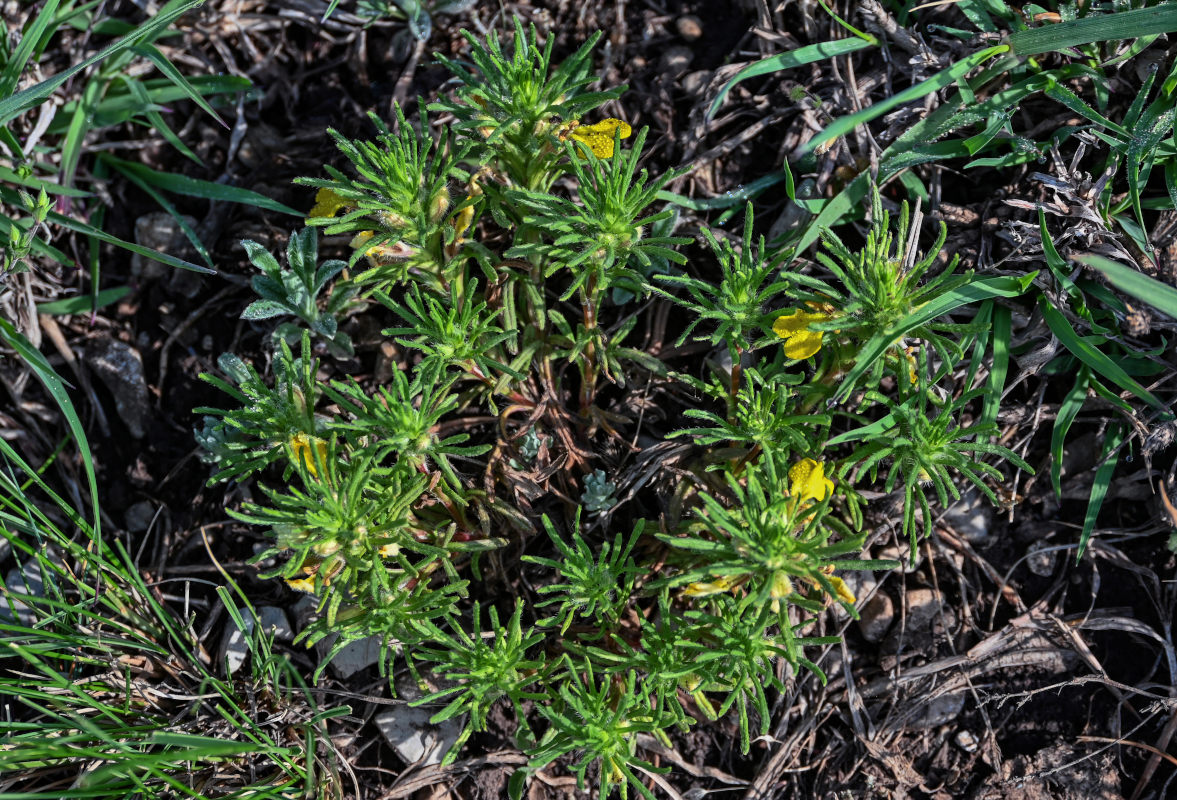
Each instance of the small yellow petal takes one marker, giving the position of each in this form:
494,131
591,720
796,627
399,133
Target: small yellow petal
794,322
300,443
327,203
705,588
842,590
807,481
802,345
800,342
301,584
462,221
911,365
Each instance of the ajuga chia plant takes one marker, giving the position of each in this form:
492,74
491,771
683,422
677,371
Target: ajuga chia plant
923,445
466,507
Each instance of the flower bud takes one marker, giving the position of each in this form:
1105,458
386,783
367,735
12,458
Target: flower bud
439,203
391,220
327,548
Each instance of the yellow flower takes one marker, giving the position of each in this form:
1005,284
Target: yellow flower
300,443
599,135
911,365
327,203
462,221
842,590
808,481
704,588
302,584
800,342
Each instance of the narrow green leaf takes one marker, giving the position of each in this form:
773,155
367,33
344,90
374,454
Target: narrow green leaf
973,292
999,366
151,111
188,231
29,38
118,105
1103,479
1055,262
56,388
1122,25
12,177
89,230
1160,296
14,105
84,305
876,427
1068,410
152,53
1097,360
834,210
787,60
727,199
192,187
941,80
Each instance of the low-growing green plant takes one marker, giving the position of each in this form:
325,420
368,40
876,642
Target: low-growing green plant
295,291
395,503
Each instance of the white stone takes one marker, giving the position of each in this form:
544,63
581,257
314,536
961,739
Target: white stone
353,657
970,517
31,583
233,642
415,739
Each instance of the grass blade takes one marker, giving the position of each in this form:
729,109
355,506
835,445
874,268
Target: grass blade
1089,355
793,58
1103,479
1095,28
24,51
152,54
146,252
1160,296
16,104
941,80
56,388
192,187
84,305
1068,410
999,368
970,293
